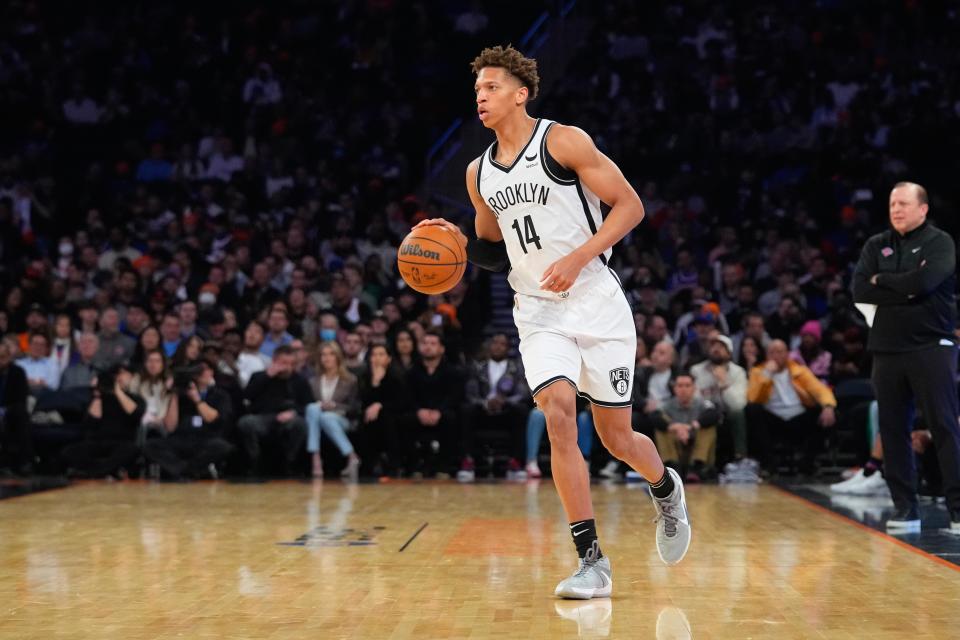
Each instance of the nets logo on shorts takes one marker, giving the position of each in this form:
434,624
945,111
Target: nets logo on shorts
620,379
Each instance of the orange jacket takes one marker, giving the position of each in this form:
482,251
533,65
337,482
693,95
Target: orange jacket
812,392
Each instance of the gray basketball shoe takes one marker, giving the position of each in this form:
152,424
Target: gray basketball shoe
673,523
591,580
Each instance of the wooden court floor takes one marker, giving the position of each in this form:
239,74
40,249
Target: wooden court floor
296,560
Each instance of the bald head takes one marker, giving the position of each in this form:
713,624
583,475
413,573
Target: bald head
908,207
777,351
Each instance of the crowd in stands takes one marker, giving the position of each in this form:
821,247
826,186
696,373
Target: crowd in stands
199,216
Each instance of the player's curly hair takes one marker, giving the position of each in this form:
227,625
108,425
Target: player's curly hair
516,64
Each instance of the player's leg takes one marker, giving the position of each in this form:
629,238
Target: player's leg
552,364
607,345
666,487
558,402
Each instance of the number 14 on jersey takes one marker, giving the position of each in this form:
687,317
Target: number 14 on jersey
528,235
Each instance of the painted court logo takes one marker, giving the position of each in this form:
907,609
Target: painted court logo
620,379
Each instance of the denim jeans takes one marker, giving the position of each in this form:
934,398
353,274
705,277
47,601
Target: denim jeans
332,424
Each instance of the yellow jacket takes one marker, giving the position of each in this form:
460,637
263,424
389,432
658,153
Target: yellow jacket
812,392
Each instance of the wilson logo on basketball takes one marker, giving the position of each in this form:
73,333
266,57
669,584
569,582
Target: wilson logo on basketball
416,250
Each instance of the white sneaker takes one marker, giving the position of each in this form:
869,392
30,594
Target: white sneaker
846,485
592,579
673,523
612,470
533,470
872,485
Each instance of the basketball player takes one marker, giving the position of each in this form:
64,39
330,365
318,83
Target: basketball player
540,192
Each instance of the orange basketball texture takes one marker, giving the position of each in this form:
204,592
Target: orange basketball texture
431,259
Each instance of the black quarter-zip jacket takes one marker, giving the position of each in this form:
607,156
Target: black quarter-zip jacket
915,290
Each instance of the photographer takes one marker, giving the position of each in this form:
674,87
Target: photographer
200,412
111,424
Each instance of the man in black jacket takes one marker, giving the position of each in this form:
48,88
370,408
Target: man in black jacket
194,444
278,398
908,272
436,390
14,419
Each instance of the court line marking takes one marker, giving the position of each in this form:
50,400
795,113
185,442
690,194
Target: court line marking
415,534
860,525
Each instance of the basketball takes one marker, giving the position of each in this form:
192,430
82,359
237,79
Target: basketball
431,259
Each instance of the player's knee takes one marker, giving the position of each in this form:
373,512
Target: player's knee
559,407
618,443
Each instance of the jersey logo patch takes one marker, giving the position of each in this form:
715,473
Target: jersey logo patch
620,380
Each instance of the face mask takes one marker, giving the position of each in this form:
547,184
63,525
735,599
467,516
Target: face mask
328,335
207,299
66,249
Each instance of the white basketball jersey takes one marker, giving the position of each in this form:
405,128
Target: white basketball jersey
544,212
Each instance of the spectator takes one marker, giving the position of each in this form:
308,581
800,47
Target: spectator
115,348
14,419
354,353
405,348
154,384
111,424
251,358
686,432
187,310
80,374
751,353
496,400
36,323
89,318
810,353
752,325
436,390
200,414
698,344
786,403
170,332
278,398
63,351
277,323
148,340
337,402
188,352
724,384
42,371
383,397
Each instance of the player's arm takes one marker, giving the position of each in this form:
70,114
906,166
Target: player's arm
574,149
487,250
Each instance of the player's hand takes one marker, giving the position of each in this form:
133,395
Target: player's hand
440,222
561,275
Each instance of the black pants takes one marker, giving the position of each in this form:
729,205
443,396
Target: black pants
508,427
253,427
418,439
99,457
190,455
924,380
15,438
767,430
378,441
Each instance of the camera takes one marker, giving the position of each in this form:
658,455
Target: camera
184,376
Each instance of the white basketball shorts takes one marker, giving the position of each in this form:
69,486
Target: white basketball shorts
588,340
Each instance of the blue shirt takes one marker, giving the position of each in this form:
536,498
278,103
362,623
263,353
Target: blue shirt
170,348
45,369
269,345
